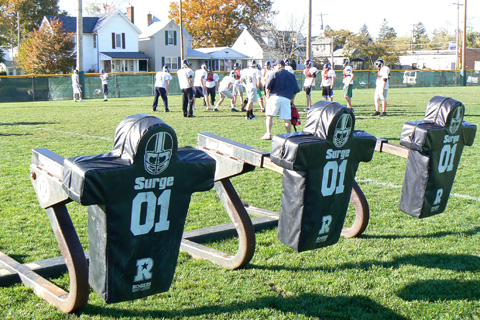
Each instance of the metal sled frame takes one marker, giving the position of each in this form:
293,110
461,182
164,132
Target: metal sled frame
232,158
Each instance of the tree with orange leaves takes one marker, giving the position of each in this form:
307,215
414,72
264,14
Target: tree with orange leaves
47,51
217,23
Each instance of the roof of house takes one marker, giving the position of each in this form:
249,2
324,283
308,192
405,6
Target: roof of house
158,26
223,53
90,24
126,55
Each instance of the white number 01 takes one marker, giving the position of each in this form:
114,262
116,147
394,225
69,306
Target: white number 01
330,175
446,158
136,225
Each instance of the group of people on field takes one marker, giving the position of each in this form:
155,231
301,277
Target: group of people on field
276,81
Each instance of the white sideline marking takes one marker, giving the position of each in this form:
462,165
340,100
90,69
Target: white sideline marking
59,131
77,134
391,185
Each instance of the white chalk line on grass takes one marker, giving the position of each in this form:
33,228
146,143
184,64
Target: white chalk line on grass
391,185
59,131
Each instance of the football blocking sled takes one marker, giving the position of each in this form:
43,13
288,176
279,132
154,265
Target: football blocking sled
138,197
320,163
329,137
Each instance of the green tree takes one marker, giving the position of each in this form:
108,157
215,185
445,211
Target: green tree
30,15
420,37
47,51
386,33
220,22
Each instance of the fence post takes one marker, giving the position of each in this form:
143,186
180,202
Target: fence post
33,89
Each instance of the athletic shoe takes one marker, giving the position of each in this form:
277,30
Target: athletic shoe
191,116
306,109
74,100
263,110
234,110
266,136
215,109
209,109
166,110
383,114
154,109
105,99
81,100
376,113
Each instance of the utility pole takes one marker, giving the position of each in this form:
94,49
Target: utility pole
321,23
181,32
81,73
309,33
80,37
457,38
464,47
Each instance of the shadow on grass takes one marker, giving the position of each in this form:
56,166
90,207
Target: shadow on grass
441,290
14,134
441,234
453,262
310,305
24,123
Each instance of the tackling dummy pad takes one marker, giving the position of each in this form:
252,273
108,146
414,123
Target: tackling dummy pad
138,197
320,164
436,144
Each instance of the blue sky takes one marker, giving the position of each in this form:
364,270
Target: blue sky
345,14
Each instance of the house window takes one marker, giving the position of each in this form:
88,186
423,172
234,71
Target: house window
118,40
94,41
171,63
170,38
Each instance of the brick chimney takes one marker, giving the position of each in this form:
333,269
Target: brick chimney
130,14
149,19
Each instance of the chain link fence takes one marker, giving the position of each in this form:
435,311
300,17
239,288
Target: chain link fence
59,87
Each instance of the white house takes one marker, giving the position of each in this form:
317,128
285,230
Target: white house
161,41
110,42
261,45
223,58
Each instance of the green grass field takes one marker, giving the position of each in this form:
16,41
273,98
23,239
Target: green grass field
400,268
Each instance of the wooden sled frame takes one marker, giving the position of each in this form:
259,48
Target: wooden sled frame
232,159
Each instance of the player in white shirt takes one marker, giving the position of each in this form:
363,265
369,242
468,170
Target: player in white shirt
185,81
310,73
328,81
251,80
211,85
348,76
288,67
381,89
104,78
162,86
77,87
225,90
199,84
237,88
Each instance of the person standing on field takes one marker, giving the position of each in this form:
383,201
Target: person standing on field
381,89
162,86
328,81
104,78
348,76
76,86
185,81
310,73
237,88
281,88
211,85
199,83
250,78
